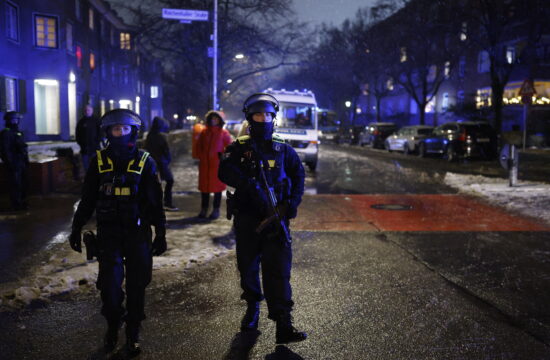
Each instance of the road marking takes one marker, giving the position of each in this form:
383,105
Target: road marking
427,213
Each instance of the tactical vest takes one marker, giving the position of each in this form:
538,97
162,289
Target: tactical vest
274,165
118,189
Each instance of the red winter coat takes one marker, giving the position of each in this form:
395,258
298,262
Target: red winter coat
211,144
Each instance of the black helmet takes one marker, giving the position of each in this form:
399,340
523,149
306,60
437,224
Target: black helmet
120,117
12,115
259,103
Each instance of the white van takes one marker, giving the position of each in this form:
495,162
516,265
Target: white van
297,123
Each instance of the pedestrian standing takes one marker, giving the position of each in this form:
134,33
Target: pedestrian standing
122,187
241,167
157,145
14,155
197,129
210,146
88,135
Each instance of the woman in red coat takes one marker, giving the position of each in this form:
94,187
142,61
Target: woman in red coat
210,145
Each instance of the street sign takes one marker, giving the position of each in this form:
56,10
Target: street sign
184,14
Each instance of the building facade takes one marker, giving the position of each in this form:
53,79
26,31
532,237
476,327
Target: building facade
57,56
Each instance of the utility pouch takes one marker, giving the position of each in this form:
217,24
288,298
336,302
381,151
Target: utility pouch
90,241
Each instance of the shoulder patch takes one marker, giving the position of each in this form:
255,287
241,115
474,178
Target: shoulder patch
278,138
243,139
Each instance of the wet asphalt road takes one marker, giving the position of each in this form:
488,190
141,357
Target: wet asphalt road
360,295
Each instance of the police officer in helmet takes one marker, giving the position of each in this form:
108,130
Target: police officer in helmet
265,246
122,187
14,155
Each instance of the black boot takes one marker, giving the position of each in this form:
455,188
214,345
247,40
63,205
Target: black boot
202,214
111,336
251,317
215,214
286,333
132,339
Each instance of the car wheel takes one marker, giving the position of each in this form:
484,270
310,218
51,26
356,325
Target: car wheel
406,149
422,150
451,154
387,146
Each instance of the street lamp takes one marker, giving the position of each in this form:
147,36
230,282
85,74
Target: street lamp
239,56
229,81
348,104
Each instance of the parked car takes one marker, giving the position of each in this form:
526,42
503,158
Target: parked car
456,140
376,133
329,126
407,138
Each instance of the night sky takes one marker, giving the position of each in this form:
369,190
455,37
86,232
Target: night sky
329,11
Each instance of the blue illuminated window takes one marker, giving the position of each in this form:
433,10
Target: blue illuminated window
45,28
12,21
11,94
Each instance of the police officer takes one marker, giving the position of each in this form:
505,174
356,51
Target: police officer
122,186
14,155
283,169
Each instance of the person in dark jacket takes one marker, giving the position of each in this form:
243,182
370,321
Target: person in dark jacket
88,135
122,187
240,168
157,145
14,155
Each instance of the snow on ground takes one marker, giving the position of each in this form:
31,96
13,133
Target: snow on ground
527,198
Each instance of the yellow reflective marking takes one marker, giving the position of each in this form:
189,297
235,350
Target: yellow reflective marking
141,164
125,191
100,163
271,163
117,191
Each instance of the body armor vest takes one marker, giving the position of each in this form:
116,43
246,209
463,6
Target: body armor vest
118,189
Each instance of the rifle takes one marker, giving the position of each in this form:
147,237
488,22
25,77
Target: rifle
90,241
276,216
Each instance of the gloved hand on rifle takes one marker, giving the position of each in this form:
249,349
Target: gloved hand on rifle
286,210
75,240
159,244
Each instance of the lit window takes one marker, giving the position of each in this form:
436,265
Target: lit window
45,31
389,84
510,54
125,41
69,38
11,94
12,22
484,62
46,107
154,92
447,69
403,54
445,102
91,18
78,54
464,31
92,61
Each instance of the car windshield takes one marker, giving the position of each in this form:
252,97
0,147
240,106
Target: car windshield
328,119
386,128
295,116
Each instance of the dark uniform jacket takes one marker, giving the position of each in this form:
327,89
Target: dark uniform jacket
285,173
123,192
13,149
88,134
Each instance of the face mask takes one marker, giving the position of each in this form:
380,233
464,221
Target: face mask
122,146
13,125
261,131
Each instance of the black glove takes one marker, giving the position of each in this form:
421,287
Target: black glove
286,210
75,240
159,244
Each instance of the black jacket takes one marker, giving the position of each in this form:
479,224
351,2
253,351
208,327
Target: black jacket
88,134
13,149
146,200
285,171
156,142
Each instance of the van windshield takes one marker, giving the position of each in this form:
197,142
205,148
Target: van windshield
295,116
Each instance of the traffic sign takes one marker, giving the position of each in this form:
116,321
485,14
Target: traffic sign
184,14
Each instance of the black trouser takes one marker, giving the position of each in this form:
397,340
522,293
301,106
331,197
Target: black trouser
166,175
18,185
275,256
124,253
205,199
